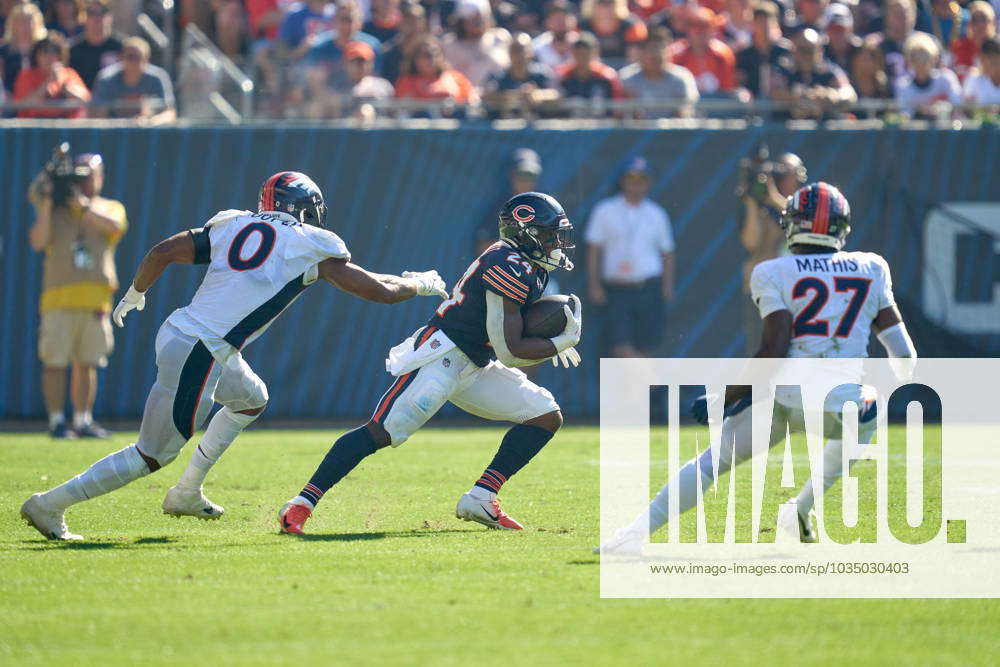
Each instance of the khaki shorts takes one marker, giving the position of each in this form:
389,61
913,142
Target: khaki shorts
79,336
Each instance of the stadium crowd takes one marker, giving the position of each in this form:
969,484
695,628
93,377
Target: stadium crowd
783,59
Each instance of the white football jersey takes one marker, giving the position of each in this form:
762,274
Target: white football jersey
260,263
833,299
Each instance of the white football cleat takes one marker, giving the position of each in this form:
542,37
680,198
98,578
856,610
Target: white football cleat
486,512
182,501
48,521
806,532
625,543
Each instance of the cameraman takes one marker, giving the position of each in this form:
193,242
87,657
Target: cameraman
78,231
765,187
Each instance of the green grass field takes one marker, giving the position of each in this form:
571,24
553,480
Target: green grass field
389,576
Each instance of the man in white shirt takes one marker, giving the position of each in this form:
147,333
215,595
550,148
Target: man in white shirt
983,88
630,263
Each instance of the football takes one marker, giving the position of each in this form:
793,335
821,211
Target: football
545,318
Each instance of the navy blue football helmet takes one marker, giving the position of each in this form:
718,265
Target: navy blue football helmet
817,214
537,225
294,193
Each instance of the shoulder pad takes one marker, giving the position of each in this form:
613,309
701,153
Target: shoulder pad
222,217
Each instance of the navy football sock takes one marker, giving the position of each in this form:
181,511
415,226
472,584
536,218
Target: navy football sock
519,446
342,458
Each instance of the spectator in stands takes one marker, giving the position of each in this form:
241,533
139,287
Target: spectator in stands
982,87
96,48
709,59
982,26
949,22
353,96
66,17
328,47
555,46
587,78
867,76
812,85
300,27
78,237
23,28
49,80
229,30
429,77
630,263
737,30
755,63
654,81
618,31
525,87
133,88
412,29
385,19
920,95
808,14
900,18
265,17
841,42
477,48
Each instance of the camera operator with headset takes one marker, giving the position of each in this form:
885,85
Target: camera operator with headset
764,186
78,231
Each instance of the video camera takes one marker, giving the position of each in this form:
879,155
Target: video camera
755,171
64,173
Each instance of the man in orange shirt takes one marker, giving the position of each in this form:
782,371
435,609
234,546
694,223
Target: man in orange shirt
50,80
709,59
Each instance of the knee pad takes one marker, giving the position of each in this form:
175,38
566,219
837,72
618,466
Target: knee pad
410,412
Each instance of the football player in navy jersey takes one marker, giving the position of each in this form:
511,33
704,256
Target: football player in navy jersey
468,353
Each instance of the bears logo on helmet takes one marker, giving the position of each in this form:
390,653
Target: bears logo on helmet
295,193
817,214
537,225
519,213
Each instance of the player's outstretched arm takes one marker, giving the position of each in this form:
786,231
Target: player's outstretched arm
178,249
505,328
380,287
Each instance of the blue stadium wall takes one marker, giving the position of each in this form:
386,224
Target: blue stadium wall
411,199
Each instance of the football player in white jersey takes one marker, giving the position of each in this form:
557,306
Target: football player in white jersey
818,301
258,263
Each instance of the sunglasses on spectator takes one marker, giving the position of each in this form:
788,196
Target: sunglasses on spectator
97,10
131,55
980,18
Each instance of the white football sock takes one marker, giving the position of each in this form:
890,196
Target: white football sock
56,418
479,493
221,432
81,419
112,472
301,500
659,511
832,462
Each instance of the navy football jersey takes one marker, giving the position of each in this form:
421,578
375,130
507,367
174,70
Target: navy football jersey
502,269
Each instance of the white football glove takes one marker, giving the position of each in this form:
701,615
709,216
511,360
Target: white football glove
574,326
429,283
133,299
567,357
